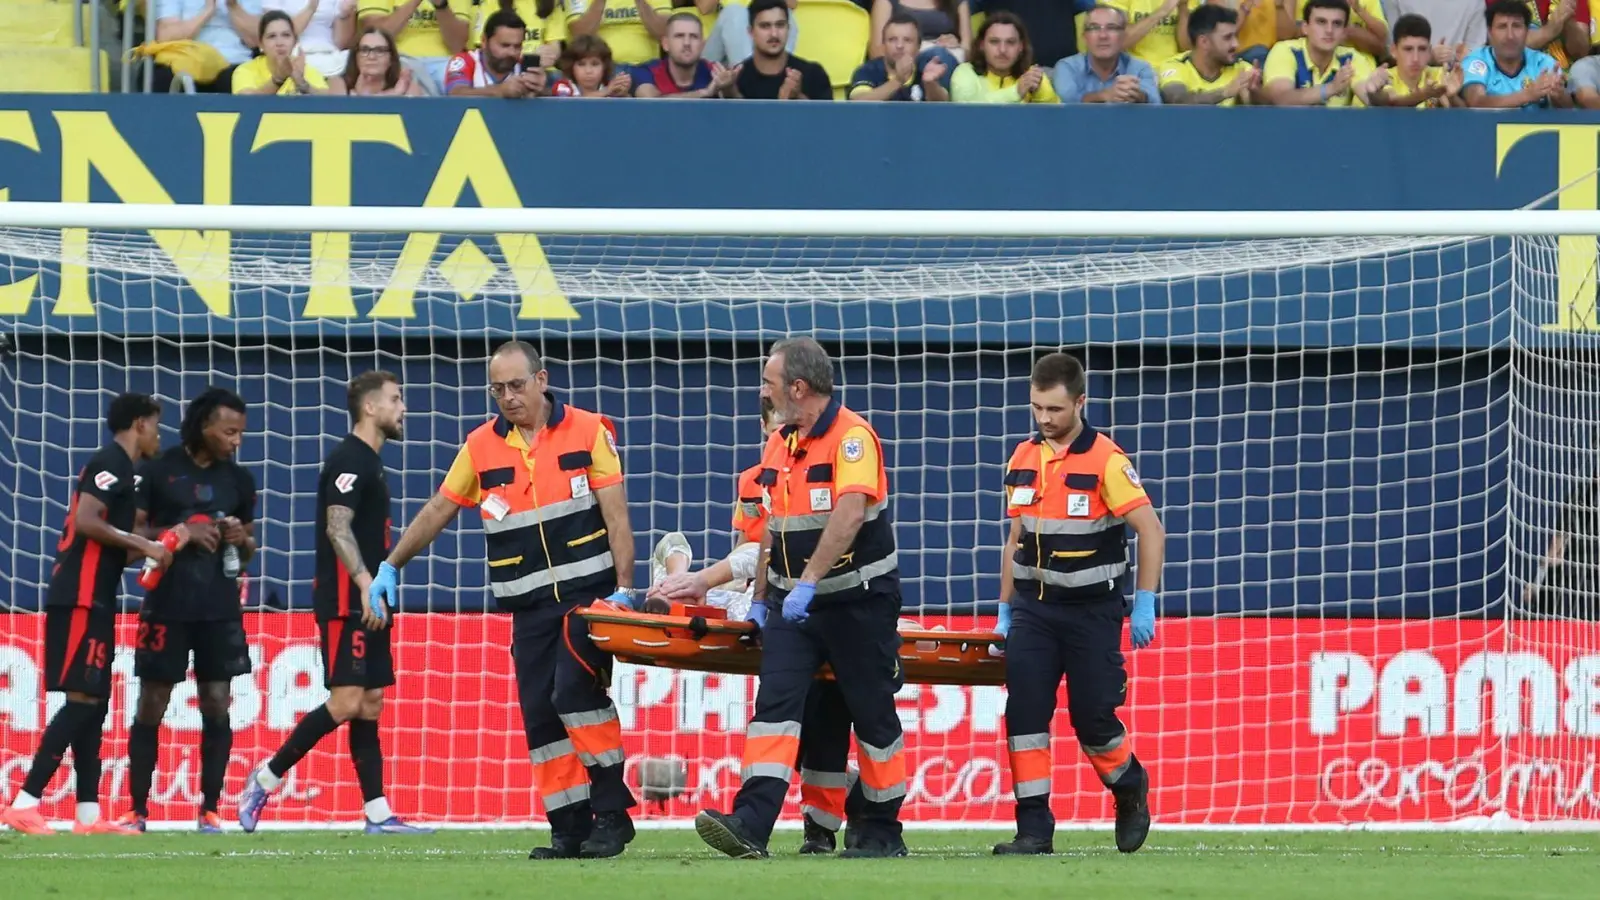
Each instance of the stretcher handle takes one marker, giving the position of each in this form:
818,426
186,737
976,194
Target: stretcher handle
621,617
951,637
727,626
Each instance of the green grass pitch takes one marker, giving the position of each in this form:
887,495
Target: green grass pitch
668,864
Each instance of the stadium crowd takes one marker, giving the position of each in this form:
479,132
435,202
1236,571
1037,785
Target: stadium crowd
1415,53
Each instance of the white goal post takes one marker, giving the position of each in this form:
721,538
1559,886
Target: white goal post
1362,430
920,223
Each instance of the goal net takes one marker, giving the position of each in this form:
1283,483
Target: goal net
1360,447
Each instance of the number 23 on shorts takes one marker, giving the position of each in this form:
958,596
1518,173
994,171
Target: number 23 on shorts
152,637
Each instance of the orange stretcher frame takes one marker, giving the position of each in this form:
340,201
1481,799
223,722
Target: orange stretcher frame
707,642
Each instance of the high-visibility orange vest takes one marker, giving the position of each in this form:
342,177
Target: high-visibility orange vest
1073,547
750,507
798,472
552,543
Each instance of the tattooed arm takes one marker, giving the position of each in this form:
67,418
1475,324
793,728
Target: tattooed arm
345,547
349,554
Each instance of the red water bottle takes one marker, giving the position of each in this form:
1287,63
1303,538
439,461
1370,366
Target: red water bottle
150,575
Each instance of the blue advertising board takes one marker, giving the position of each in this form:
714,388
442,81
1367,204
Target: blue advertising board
1340,483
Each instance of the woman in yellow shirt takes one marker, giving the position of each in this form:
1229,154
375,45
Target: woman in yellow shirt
281,68
1002,69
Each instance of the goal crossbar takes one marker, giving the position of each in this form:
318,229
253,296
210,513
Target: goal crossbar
801,223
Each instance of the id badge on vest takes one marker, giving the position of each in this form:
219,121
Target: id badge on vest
821,499
1077,504
1022,496
580,486
495,507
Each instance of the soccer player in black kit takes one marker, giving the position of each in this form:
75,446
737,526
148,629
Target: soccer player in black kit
357,660
199,491
81,614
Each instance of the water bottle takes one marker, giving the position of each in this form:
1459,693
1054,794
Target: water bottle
150,575
230,555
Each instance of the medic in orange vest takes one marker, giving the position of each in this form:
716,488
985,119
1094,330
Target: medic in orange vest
547,481
825,728
832,579
1072,494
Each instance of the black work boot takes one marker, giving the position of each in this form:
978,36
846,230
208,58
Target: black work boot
560,848
1133,813
613,831
1025,845
726,834
818,840
871,846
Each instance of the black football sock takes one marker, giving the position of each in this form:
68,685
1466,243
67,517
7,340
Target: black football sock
86,755
366,751
53,744
216,743
312,727
144,742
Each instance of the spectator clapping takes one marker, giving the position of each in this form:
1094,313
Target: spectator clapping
1211,73
772,72
681,71
904,71
587,70
1002,68
1104,72
1332,53
281,68
373,69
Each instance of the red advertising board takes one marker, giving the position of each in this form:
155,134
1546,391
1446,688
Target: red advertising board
1240,721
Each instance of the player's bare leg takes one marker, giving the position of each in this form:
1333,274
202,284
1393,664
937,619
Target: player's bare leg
216,746
144,744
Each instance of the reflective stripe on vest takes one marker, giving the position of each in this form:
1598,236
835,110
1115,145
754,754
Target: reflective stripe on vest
799,472
1072,547
550,544
750,507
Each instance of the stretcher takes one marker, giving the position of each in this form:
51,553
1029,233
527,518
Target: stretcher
703,639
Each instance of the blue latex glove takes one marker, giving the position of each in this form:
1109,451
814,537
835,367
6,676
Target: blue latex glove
796,606
622,597
385,592
757,614
1002,627
1142,622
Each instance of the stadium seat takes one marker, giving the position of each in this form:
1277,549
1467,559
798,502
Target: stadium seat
51,70
39,23
833,33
